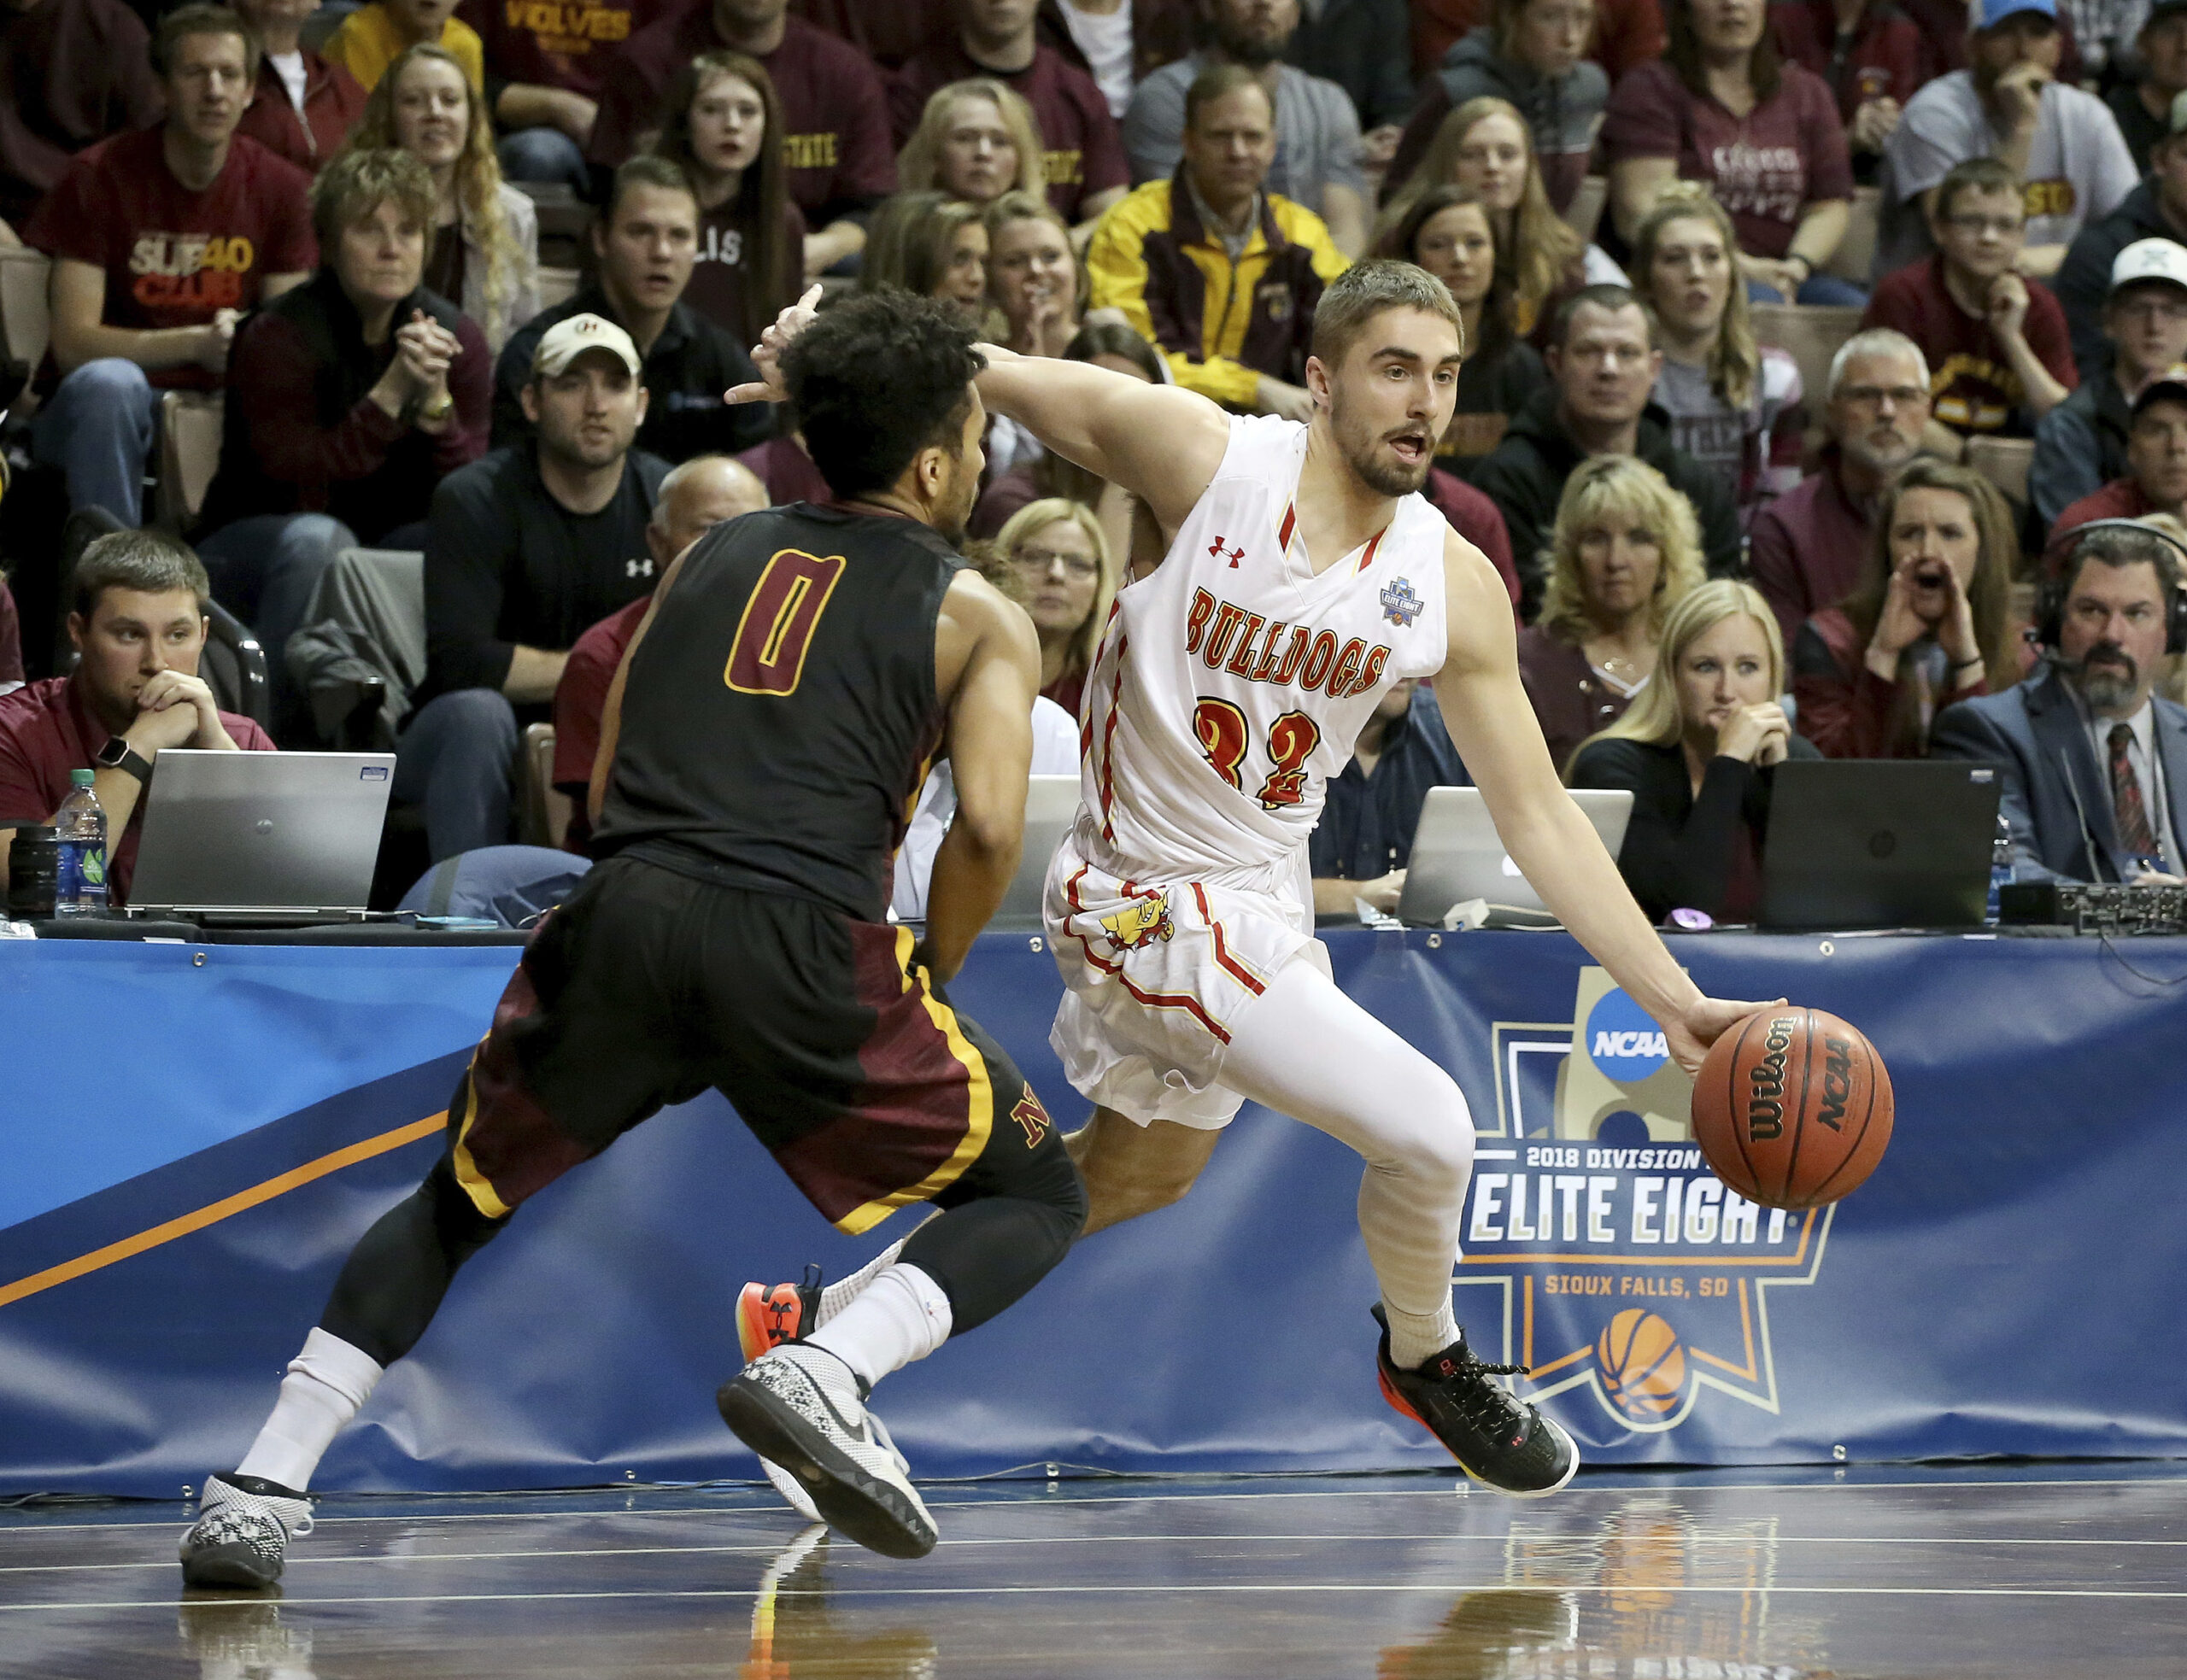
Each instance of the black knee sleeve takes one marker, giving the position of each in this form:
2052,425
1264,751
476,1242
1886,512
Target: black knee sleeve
1005,1224
394,1280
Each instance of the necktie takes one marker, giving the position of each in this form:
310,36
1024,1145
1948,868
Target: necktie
2136,837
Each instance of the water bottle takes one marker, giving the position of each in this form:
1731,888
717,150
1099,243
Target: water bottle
2000,864
79,888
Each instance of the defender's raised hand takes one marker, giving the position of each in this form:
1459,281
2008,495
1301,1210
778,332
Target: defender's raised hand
766,354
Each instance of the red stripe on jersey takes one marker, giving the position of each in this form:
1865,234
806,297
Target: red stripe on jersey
1290,524
1109,740
1224,960
1156,1000
1373,543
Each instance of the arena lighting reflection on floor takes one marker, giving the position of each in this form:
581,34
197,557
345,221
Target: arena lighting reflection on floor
1730,1575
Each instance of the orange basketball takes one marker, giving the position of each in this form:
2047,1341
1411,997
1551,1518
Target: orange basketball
1643,1367
1792,1107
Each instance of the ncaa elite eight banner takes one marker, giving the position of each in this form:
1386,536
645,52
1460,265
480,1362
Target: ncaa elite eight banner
2007,1282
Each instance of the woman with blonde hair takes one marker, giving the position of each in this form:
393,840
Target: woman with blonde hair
1696,748
976,140
1485,145
1735,406
1626,550
1930,623
1060,552
930,244
485,258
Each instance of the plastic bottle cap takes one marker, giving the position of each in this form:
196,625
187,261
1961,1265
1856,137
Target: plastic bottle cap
82,778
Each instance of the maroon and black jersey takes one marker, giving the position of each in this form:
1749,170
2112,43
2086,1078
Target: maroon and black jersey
779,717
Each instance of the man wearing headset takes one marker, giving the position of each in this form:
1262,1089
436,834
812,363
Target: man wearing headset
2094,764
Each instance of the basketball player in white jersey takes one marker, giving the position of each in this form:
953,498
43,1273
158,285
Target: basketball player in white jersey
1304,577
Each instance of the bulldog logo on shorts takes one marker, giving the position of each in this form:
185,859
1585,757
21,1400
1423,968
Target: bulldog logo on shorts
1140,923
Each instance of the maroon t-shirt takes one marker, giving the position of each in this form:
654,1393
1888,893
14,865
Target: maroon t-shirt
1972,388
580,698
781,465
835,109
11,638
173,257
47,730
726,286
565,43
1789,151
887,31
72,72
1085,151
1887,58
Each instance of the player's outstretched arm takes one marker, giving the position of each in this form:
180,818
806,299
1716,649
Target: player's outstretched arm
1162,443
990,742
1486,709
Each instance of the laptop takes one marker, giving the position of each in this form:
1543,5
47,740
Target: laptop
274,834
1457,855
1858,843
1051,807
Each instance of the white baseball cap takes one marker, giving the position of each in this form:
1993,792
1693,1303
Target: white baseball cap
565,340
2162,260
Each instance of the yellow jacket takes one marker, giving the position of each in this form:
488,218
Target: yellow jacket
1221,326
368,41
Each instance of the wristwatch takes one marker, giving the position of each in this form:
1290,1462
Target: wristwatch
119,755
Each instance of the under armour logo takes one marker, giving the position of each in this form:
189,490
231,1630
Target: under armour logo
1217,550
637,568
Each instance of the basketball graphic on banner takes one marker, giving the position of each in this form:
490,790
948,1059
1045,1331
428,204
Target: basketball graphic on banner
1643,1366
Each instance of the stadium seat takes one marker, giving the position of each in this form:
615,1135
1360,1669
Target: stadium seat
1585,213
1854,259
543,813
563,219
2004,461
190,454
556,285
1811,333
25,321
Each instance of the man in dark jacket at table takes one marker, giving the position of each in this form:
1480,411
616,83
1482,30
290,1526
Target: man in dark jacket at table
1604,363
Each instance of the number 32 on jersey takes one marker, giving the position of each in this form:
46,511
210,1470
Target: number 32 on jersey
1225,738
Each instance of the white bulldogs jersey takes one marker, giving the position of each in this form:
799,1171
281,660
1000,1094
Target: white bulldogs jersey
1231,684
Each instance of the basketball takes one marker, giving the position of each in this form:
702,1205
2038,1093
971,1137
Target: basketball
1643,1367
1792,1107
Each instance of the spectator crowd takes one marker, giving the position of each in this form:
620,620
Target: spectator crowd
1800,338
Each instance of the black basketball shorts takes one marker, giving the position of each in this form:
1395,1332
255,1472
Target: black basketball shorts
648,986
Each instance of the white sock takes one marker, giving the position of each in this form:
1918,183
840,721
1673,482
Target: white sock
838,1296
902,1315
326,1385
1416,1337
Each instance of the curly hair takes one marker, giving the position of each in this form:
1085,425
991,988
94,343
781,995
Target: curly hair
875,380
361,180
1626,490
478,179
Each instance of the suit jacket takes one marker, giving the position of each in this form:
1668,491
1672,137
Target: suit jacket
2033,733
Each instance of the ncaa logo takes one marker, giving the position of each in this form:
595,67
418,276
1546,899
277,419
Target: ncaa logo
1623,1040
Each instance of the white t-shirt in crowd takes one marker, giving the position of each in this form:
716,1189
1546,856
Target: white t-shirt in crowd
1055,753
1106,39
290,68
2078,167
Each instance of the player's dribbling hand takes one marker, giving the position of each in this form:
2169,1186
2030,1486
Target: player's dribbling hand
767,354
1705,1021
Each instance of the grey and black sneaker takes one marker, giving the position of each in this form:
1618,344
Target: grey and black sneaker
1497,1439
802,1408
244,1527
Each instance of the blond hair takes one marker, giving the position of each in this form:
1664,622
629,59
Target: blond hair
478,181
1539,251
1037,516
1734,359
1654,718
918,166
1620,488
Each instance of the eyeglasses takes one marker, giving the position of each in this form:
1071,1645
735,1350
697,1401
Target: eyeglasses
1038,560
1872,396
2153,309
2003,227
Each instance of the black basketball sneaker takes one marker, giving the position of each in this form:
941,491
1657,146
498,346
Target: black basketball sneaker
1497,1439
242,1534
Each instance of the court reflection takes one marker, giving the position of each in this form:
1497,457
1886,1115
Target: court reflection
795,1635
1654,1591
236,1638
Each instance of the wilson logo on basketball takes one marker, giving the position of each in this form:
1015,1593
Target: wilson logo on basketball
1628,1275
